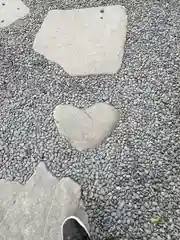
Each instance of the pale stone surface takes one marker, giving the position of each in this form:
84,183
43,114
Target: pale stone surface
36,210
85,128
11,10
84,41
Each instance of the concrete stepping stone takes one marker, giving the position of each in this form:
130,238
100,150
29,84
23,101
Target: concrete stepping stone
37,209
84,41
11,10
85,128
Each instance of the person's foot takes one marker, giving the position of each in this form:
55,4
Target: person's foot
74,229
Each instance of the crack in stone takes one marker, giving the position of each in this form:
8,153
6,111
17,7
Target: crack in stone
46,221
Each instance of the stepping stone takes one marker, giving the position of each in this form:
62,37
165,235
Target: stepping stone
84,41
11,10
37,209
85,128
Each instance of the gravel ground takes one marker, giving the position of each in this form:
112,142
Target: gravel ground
135,174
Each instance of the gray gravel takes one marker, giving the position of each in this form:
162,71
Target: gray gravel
135,174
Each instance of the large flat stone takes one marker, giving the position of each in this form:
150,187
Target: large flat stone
11,10
36,210
84,41
85,128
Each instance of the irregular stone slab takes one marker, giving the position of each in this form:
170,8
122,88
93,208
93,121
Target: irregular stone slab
85,128
36,210
11,10
84,41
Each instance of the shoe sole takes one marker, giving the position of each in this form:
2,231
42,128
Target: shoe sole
78,220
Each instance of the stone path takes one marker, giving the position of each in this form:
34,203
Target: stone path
71,39
38,209
129,174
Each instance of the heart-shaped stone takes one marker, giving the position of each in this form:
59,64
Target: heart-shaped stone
85,128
